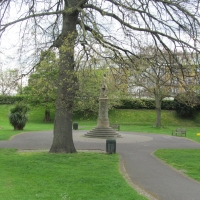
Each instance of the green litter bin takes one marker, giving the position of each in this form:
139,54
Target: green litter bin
110,146
75,126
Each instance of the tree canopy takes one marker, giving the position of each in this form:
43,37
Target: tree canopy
83,29
42,84
8,81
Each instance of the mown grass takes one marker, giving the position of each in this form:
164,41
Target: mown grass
35,122
185,160
141,121
49,176
148,117
81,176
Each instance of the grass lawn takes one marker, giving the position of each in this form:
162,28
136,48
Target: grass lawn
34,175
35,122
82,176
185,160
140,121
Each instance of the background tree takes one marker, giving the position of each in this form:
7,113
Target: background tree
76,26
187,83
42,83
8,81
89,81
183,109
151,77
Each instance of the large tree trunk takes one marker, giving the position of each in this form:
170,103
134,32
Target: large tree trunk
67,84
47,116
158,110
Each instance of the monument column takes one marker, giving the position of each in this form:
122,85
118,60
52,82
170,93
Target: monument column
103,129
103,120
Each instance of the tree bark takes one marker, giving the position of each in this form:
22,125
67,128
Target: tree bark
47,116
158,110
67,85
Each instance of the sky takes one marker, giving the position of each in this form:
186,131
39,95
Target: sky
9,52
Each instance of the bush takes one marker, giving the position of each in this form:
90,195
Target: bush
18,116
167,105
184,110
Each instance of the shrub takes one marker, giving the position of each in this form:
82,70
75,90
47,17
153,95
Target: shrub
167,105
184,110
18,116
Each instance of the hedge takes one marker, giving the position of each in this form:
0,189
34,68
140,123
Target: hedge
144,104
125,103
10,99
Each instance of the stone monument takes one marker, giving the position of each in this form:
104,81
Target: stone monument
103,130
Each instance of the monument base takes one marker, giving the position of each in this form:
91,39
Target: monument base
102,132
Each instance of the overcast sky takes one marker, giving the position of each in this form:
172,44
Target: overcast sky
10,42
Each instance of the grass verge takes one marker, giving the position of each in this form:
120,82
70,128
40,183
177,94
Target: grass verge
185,160
81,176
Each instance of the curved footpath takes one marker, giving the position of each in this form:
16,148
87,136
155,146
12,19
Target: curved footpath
149,175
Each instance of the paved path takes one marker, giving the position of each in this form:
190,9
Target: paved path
157,179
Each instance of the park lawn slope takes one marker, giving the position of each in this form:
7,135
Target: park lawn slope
40,175
148,117
140,121
184,160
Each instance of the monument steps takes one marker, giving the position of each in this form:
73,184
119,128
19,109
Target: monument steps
100,132
103,137
109,129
